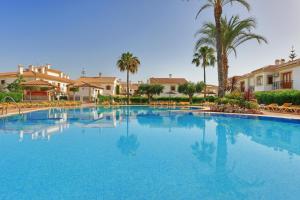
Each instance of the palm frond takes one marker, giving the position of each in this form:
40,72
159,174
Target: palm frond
242,2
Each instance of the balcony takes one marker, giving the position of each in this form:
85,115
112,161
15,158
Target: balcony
282,85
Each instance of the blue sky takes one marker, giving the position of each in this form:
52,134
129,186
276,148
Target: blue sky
72,34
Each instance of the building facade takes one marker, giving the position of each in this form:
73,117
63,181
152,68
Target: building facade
107,84
170,85
282,75
34,73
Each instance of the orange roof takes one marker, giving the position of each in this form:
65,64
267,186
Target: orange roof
37,83
84,84
54,70
36,75
167,80
269,68
109,80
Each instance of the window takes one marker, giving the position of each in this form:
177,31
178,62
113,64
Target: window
173,88
108,87
270,80
259,80
2,82
242,86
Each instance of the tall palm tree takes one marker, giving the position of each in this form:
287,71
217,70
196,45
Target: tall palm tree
218,5
130,64
206,56
235,32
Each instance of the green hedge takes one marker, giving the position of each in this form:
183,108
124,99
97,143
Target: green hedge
16,96
279,97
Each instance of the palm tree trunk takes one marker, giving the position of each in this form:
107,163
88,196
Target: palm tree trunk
204,73
127,87
225,67
218,13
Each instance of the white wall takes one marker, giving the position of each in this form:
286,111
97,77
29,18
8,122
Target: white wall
296,78
88,93
167,89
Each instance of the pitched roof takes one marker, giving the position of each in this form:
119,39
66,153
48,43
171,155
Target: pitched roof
273,68
269,68
98,80
36,75
53,70
84,84
167,80
37,83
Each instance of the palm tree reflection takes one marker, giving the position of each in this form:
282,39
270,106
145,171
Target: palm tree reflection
222,182
128,144
203,150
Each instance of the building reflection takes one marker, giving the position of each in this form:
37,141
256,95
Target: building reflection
42,125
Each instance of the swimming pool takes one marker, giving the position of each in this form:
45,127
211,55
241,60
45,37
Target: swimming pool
147,153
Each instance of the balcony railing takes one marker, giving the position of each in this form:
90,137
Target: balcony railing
282,85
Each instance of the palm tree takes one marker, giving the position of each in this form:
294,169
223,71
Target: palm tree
130,64
218,5
235,32
205,55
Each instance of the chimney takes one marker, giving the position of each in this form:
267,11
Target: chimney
277,62
61,75
100,74
170,75
48,66
43,70
282,61
31,68
20,69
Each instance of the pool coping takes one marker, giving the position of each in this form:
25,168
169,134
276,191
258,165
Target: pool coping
205,110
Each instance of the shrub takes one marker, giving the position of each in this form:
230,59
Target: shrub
279,97
235,95
17,96
104,98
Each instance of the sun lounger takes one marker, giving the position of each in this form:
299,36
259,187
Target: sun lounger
285,107
272,107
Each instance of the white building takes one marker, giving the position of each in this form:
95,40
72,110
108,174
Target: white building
170,85
133,88
108,84
45,73
281,75
87,92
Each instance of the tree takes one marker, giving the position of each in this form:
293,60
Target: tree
293,54
74,90
130,64
204,57
16,85
150,90
190,89
234,33
218,5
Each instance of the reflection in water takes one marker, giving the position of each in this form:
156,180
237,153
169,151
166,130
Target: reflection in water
222,182
209,141
203,150
128,144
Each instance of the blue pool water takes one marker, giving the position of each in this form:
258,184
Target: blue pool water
145,153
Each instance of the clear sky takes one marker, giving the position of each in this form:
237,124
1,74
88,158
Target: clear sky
72,34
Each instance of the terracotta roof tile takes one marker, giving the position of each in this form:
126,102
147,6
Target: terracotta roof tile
36,75
98,80
37,83
167,80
